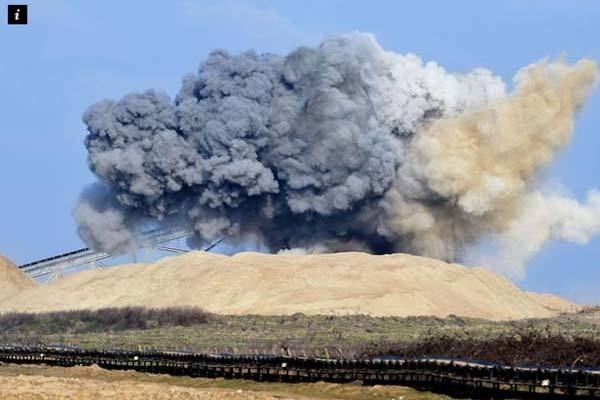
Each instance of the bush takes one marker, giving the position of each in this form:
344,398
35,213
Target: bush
529,347
101,320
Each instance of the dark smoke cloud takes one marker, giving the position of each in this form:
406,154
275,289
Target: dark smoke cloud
103,221
317,149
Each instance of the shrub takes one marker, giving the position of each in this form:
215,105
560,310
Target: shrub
101,320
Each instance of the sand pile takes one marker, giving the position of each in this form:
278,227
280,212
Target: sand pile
12,280
253,283
552,302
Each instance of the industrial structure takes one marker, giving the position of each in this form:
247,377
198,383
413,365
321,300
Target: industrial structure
453,377
52,266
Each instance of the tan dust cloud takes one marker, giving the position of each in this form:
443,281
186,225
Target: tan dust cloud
476,167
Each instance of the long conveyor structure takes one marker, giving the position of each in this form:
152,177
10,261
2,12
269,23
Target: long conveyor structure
150,239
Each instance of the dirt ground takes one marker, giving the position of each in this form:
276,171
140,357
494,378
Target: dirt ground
33,382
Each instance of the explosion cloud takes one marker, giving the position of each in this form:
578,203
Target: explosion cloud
342,147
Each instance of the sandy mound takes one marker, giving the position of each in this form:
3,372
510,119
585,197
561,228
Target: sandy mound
553,302
397,284
12,280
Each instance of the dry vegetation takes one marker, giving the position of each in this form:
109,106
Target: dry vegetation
553,341
528,347
103,320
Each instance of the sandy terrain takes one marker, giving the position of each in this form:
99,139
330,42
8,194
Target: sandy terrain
25,382
253,283
12,280
552,302
39,387
24,387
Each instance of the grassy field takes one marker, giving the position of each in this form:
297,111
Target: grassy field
333,336
236,334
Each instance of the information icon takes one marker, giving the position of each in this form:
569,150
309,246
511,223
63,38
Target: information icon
17,14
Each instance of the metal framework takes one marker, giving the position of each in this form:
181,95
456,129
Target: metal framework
54,265
456,378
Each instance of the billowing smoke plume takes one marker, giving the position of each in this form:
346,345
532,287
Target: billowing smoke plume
542,217
472,171
342,147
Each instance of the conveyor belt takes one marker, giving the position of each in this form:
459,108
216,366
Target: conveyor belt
86,255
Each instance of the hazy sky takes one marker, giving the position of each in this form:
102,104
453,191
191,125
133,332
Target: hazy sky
74,53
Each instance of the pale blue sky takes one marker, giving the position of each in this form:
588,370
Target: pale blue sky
74,53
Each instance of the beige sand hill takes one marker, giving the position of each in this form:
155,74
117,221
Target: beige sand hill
553,302
253,283
12,280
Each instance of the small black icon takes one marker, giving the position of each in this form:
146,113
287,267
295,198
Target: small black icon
17,14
